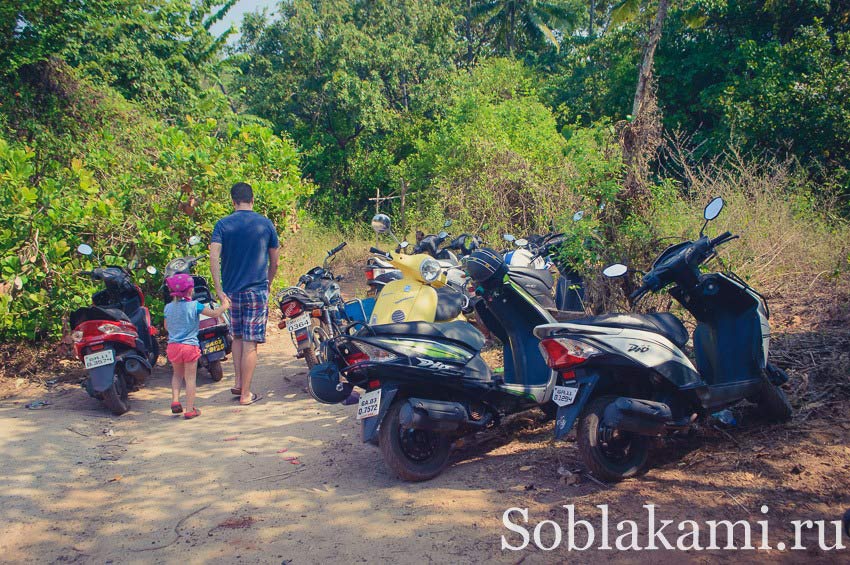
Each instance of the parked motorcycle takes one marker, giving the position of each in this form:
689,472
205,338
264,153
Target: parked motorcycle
426,383
114,337
538,254
629,379
214,334
313,311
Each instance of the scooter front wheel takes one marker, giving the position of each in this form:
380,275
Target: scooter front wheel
117,397
772,401
414,455
610,454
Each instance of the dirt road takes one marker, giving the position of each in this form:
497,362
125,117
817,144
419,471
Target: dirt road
77,485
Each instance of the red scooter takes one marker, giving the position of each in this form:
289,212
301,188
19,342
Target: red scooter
114,337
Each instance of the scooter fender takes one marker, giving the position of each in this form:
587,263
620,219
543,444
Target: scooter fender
100,378
217,356
567,415
369,426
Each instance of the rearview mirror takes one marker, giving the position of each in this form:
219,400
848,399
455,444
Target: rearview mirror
712,210
381,223
521,242
403,245
151,270
578,215
508,237
615,270
84,249
443,235
447,223
194,240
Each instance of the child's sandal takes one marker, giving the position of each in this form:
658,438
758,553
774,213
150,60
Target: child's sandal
193,414
176,408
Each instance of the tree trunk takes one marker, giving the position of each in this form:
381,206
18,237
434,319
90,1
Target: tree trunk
511,24
469,52
641,137
592,14
649,57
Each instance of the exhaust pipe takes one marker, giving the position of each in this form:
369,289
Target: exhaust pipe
643,417
433,415
136,369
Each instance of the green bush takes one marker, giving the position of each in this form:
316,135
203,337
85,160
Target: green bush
134,191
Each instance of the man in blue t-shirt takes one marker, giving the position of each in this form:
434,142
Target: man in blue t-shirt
247,247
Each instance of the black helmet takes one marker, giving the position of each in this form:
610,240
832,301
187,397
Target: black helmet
325,385
486,266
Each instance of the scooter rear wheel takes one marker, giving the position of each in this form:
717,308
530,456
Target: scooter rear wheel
414,455
216,371
116,397
610,455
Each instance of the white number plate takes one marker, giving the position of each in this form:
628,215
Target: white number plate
99,359
370,404
298,323
564,395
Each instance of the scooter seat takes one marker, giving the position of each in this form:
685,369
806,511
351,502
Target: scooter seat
97,313
460,332
662,323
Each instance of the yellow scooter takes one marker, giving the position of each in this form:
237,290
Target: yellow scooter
421,295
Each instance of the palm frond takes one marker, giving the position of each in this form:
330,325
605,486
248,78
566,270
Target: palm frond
625,11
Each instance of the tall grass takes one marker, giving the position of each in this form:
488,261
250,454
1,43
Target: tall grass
307,247
792,237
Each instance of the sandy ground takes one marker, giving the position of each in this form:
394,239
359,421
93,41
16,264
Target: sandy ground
77,485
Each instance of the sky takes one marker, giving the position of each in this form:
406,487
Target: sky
234,16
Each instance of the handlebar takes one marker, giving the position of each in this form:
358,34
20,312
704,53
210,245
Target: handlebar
337,249
377,251
723,238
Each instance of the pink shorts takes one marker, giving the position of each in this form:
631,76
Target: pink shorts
183,353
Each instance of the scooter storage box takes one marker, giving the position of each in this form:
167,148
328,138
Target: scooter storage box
359,310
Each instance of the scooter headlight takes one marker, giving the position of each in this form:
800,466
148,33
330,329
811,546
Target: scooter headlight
430,270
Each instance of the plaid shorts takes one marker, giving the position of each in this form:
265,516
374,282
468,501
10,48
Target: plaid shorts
249,312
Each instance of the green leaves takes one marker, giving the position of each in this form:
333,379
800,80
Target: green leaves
126,205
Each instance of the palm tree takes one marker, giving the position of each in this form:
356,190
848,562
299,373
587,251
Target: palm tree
533,20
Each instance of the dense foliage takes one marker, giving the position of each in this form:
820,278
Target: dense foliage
123,122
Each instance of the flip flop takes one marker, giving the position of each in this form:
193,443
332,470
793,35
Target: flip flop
236,391
254,398
193,414
176,408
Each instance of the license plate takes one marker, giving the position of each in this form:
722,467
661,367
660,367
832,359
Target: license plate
564,395
370,404
99,359
213,346
298,323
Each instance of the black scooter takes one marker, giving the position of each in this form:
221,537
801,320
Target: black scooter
629,379
426,384
214,333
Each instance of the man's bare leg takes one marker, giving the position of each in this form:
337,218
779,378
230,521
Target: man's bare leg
247,365
236,350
